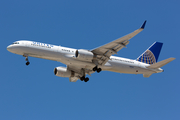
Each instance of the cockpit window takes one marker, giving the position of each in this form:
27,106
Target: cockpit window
15,43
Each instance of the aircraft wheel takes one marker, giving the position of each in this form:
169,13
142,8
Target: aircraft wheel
27,63
86,79
95,68
99,70
82,78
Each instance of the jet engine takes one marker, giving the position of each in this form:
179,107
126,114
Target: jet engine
63,72
84,55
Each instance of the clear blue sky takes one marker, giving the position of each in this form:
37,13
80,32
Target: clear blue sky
34,93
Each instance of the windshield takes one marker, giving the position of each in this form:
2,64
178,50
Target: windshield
15,43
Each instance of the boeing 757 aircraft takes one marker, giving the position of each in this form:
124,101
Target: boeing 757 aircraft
81,62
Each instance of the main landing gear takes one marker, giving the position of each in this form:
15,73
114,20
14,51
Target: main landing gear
83,78
97,69
26,59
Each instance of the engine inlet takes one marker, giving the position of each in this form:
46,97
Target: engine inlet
55,71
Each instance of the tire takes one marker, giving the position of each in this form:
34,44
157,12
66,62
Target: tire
27,63
86,79
95,68
99,70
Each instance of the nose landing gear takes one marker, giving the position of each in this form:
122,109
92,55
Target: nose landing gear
26,59
27,63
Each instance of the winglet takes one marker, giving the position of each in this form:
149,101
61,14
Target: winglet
143,26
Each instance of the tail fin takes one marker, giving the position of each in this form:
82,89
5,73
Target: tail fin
150,56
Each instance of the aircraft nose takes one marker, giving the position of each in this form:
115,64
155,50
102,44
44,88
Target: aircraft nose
9,48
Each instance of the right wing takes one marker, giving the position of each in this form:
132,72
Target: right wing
104,52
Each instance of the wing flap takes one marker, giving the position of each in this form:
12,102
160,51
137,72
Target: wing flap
73,79
78,72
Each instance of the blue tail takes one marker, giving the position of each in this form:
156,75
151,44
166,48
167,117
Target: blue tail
150,56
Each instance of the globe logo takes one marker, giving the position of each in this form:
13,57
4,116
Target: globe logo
147,57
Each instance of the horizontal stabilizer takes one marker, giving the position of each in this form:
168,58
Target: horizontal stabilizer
161,63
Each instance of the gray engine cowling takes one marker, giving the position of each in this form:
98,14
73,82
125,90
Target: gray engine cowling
63,72
84,55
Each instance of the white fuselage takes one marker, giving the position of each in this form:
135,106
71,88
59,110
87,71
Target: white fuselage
67,56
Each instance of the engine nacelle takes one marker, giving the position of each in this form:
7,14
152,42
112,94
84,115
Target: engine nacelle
84,55
63,72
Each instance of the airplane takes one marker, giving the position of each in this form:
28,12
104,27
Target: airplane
81,62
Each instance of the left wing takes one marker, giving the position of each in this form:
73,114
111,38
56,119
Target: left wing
78,72
104,52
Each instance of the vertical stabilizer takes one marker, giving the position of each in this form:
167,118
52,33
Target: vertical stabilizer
150,56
